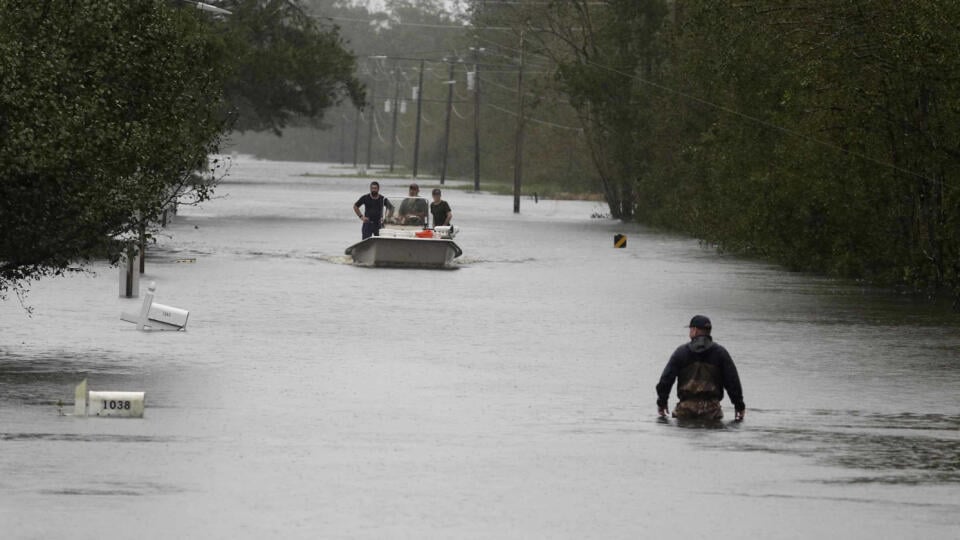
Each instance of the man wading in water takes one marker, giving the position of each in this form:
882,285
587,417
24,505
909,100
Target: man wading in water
703,369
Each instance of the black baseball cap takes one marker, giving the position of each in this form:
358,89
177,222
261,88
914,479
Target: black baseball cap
700,321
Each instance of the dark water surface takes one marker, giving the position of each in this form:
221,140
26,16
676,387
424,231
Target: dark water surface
509,398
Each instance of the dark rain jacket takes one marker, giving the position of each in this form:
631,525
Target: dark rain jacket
702,369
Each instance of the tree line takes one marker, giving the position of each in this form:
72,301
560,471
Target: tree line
111,109
821,135
389,44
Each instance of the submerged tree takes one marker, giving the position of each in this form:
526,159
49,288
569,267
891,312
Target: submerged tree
822,136
602,52
830,137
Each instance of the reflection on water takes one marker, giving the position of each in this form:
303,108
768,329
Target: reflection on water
894,449
48,377
86,437
116,489
699,424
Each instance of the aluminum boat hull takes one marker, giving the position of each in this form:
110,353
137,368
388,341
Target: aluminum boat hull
404,252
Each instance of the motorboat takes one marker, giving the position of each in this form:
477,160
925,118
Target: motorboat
407,246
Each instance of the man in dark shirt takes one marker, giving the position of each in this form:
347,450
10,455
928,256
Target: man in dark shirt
703,369
413,209
373,206
440,210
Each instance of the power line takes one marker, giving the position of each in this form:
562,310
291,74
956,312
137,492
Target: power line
376,125
385,98
534,120
514,49
760,121
506,88
734,112
389,22
458,60
527,3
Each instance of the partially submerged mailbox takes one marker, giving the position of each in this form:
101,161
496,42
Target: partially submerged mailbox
100,403
170,317
155,316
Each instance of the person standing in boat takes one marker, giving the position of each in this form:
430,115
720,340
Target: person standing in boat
702,369
373,205
440,210
413,209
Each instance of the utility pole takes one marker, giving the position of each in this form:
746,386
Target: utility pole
343,139
446,129
356,134
393,128
370,120
416,142
476,118
518,156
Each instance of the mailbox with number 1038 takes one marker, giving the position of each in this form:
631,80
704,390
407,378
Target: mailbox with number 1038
116,404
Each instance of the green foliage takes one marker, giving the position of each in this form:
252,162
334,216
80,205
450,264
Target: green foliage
106,110
109,110
601,53
828,140
555,153
825,137
287,65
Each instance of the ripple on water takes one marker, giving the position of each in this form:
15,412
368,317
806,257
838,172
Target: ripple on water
899,448
116,488
88,437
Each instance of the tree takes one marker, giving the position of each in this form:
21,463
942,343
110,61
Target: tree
820,136
286,65
602,52
823,136
107,109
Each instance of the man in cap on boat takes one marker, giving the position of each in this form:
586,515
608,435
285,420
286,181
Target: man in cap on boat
413,209
440,210
703,369
373,207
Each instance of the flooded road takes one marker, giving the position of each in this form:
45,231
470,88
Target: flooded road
512,397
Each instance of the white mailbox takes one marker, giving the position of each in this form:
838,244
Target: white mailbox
128,404
100,403
168,315
157,316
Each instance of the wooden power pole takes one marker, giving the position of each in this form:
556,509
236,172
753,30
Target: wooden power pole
416,141
393,127
518,156
356,134
446,129
372,113
476,118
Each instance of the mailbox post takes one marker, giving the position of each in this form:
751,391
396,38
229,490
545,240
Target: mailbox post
129,274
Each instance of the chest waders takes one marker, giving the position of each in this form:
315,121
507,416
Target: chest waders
698,389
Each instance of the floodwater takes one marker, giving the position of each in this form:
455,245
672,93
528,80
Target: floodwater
512,397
